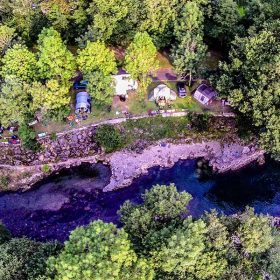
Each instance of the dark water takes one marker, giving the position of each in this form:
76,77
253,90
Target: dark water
68,200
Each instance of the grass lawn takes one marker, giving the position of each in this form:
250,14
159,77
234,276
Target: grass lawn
164,61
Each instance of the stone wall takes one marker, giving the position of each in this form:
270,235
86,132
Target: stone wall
72,144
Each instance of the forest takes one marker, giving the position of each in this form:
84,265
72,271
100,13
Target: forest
44,43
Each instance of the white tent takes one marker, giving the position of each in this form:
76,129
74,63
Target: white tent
162,91
123,83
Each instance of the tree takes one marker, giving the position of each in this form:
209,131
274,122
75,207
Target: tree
7,34
19,62
99,251
224,21
149,224
251,81
14,101
52,96
55,61
97,57
25,259
105,17
189,50
58,12
185,254
255,232
100,88
141,59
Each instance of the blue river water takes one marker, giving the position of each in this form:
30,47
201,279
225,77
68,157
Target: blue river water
56,206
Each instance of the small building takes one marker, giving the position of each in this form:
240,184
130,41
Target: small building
205,94
162,92
123,84
83,104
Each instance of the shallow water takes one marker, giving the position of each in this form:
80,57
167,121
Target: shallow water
63,202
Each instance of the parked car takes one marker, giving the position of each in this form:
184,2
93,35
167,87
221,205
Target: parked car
181,89
80,85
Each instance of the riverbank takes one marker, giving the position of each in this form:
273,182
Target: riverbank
126,165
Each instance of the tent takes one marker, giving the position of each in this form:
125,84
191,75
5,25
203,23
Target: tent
162,91
83,104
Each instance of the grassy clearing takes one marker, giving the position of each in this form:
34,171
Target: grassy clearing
164,61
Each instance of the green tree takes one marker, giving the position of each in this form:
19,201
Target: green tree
19,62
25,259
55,61
58,12
105,16
51,96
14,101
141,59
251,81
189,50
97,57
255,232
7,34
149,224
185,254
99,251
224,21
100,87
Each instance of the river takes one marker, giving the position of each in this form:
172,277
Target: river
74,197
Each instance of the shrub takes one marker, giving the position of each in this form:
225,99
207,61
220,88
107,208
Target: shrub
200,121
53,136
28,138
109,138
4,181
46,168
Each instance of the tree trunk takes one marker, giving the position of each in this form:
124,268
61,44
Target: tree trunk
190,78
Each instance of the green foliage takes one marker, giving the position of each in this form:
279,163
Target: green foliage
255,232
152,222
106,14
200,121
99,251
97,57
109,138
55,61
189,50
140,59
6,36
28,137
19,62
251,80
46,168
100,88
5,235
4,181
224,21
25,259
14,101
54,95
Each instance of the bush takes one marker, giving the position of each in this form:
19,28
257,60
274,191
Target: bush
5,235
53,136
46,168
28,138
200,121
109,138
4,181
